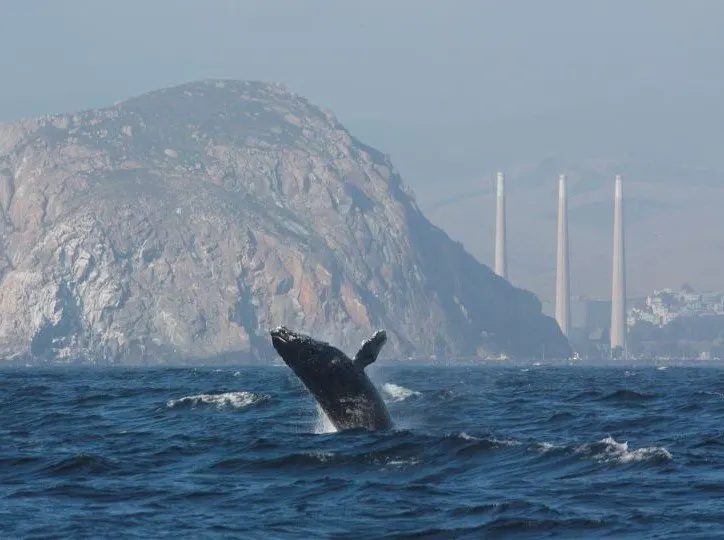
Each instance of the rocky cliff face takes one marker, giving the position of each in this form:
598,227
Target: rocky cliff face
187,222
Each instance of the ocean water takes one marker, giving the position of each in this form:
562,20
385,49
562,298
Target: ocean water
477,452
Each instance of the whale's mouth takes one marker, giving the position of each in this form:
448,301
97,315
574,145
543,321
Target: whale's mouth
282,336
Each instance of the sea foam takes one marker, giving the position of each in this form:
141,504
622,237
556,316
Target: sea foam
609,450
226,400
394,392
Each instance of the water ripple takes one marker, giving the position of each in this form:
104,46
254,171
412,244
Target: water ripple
475,452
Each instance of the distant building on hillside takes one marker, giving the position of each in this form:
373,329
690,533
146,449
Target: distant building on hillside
664,305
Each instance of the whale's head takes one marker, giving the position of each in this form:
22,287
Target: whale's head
300,351
285,341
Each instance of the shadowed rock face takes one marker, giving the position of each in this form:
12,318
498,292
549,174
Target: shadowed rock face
187,222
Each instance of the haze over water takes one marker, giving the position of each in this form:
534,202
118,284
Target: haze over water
529,451
453,92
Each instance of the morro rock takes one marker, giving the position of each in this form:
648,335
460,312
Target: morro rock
184,223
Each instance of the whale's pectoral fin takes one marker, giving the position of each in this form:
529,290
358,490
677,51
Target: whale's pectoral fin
370,349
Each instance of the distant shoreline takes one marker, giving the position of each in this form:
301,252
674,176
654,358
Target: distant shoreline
453,363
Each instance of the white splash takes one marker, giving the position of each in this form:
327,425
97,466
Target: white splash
545,447
233,400
394,393
401,462
498,442
323,423
322,457
609,450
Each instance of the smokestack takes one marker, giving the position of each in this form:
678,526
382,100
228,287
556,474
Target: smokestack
563,299
618,297
501,262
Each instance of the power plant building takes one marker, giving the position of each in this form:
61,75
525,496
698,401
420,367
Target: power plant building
601,316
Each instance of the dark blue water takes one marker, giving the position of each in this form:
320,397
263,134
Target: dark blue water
478,452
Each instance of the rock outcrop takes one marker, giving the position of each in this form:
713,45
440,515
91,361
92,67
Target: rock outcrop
184,223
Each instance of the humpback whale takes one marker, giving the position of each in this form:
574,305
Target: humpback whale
340,385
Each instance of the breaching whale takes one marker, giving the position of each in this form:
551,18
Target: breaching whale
340,385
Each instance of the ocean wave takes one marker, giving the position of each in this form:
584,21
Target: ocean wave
609,450
466,446
80,464
491,440
529,526
230,400
445,394
628,395
400,463
705,442
388,458
545,447
395,393
561,416
584,396
710,394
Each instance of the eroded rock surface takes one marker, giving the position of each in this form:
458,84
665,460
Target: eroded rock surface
186,222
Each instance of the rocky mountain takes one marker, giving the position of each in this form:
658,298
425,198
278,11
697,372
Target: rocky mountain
185,223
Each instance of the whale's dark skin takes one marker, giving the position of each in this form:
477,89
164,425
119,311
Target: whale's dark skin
340,385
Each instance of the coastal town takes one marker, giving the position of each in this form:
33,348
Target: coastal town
667,324
665,305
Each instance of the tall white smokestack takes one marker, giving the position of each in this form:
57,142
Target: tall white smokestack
501,262
563,298
618,297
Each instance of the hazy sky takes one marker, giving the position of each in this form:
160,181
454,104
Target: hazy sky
452,89
401,61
